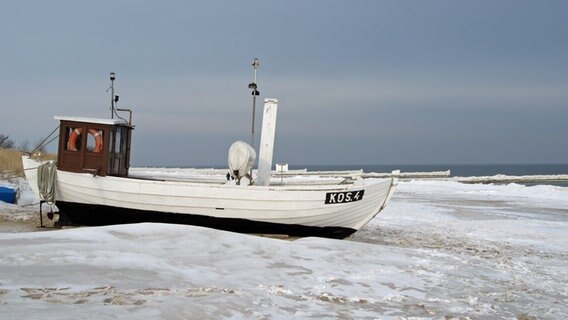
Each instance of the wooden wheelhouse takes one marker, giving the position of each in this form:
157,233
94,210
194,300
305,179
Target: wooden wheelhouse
97,146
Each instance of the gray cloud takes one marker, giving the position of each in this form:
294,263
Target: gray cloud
358,83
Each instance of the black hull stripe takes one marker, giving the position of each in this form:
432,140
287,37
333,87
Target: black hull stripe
99,215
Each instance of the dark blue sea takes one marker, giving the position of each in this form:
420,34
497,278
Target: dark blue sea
459,170
456,170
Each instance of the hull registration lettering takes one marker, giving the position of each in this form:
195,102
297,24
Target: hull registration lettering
343,197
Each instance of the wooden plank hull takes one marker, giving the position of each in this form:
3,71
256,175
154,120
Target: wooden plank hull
299,210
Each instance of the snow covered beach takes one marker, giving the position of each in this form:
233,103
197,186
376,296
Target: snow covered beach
440,249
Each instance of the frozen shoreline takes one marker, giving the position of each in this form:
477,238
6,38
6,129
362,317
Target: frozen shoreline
295,175
440,249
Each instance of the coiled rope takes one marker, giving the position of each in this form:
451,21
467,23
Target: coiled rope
46,176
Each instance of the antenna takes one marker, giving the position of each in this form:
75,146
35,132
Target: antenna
254,93
113,98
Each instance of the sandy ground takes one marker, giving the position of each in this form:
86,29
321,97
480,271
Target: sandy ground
24,219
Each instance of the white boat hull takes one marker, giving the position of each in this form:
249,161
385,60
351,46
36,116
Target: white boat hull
299,210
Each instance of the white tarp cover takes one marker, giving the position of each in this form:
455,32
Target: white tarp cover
241,158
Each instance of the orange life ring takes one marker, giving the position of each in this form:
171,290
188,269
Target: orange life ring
98,140
72,142
76,133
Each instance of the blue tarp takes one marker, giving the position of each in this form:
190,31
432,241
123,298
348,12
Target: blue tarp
7,194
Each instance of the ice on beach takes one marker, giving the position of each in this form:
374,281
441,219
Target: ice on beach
439,249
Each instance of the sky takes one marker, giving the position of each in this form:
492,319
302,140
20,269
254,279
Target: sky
358,82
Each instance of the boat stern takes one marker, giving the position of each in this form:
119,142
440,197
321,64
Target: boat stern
30,171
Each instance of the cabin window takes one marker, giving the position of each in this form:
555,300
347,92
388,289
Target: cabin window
95,140
118,141
73,138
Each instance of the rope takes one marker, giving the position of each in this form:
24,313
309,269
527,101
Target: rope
46,176
41,143
6,175
18,173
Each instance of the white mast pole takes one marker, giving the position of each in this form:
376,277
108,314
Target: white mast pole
267,142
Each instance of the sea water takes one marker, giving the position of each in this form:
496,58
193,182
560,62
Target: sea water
456,170
459,170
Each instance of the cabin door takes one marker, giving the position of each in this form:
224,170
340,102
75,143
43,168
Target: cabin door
117,164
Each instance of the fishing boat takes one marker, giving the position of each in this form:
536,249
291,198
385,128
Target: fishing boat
90,185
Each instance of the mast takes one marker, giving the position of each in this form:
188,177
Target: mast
113,98
254,93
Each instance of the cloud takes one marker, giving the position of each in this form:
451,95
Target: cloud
357,82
